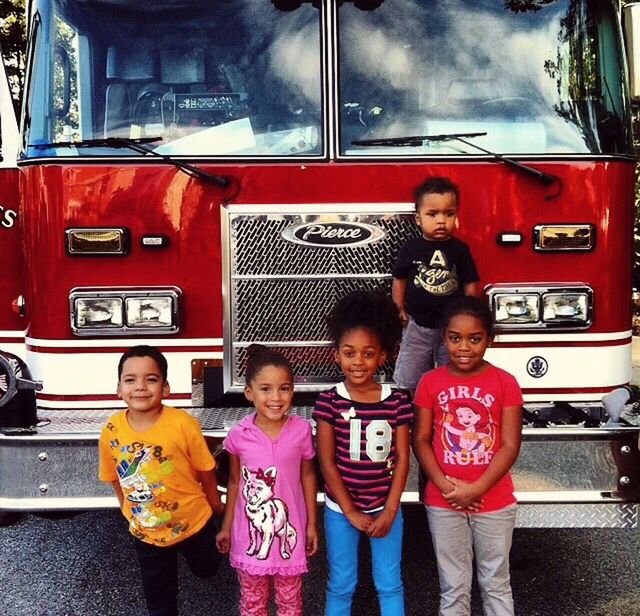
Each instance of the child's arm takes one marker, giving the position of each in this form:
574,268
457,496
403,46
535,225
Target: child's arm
209,484
422,436
117,488
223,538
310,491
465,492
398,288
471,288
383,521
327,456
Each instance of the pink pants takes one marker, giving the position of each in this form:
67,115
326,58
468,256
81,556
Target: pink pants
254,594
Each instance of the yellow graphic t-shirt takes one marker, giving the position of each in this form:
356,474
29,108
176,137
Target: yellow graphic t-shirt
163,499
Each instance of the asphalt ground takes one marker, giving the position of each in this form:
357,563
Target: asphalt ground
86,565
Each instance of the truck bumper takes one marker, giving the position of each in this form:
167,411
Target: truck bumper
565,476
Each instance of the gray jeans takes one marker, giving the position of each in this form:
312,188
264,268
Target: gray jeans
421,350
456,536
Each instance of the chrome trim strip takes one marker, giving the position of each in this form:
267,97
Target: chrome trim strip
309,276
227,322
565,496
563,337
221,159
320,209
115,342
71,503
561,432
288,343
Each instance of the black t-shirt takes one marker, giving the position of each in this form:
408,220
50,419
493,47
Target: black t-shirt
436,273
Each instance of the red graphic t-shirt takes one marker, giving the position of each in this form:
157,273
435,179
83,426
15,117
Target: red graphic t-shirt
467,419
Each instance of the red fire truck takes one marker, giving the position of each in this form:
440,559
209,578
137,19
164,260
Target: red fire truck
203,175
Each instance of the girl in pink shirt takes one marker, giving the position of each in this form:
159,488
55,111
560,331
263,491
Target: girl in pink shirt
269,526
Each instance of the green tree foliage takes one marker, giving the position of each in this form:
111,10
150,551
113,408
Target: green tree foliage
13,43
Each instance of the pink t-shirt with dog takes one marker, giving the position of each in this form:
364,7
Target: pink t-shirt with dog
270,520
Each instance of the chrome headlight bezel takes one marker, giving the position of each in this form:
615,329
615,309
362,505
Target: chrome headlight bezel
578,296
126,303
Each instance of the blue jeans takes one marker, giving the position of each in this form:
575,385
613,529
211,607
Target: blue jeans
421,350
342,553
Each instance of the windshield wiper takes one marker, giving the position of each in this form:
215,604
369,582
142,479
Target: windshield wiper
417,140
139,145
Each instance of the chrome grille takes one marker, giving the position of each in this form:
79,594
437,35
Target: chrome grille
279,292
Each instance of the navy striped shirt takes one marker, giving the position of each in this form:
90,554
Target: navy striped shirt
365,451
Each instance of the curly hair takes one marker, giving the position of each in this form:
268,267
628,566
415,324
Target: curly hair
370,310
259,356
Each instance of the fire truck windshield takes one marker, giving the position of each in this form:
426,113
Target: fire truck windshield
246,78
212,78
538,77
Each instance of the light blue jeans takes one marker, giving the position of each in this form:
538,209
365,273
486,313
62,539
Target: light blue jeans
456,535
342,554
421,350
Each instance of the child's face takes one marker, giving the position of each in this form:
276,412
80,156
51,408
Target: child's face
359,355
437,216
467,340
141,385
271,391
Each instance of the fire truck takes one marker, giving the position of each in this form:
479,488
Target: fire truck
202,175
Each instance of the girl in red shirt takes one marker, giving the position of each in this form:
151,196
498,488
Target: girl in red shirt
467,436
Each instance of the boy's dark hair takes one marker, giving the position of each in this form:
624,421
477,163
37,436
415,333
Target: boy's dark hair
144,350
371,310
438,186
259,356
472,306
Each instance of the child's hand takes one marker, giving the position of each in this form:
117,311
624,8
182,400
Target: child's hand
312,540
381,524
359,520
223,541
404,317
463,495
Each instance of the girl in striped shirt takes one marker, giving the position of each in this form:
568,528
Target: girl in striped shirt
363,447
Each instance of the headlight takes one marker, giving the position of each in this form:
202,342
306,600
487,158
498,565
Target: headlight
565,307
544,306
152,312
100,313
121,312
517,308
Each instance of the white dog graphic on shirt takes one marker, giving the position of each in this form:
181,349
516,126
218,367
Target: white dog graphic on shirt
268,517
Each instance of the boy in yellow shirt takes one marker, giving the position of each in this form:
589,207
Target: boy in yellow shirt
163,474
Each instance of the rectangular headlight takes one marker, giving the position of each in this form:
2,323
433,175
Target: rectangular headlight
565,308
89,242
124,311
151,312
98,313
517,308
